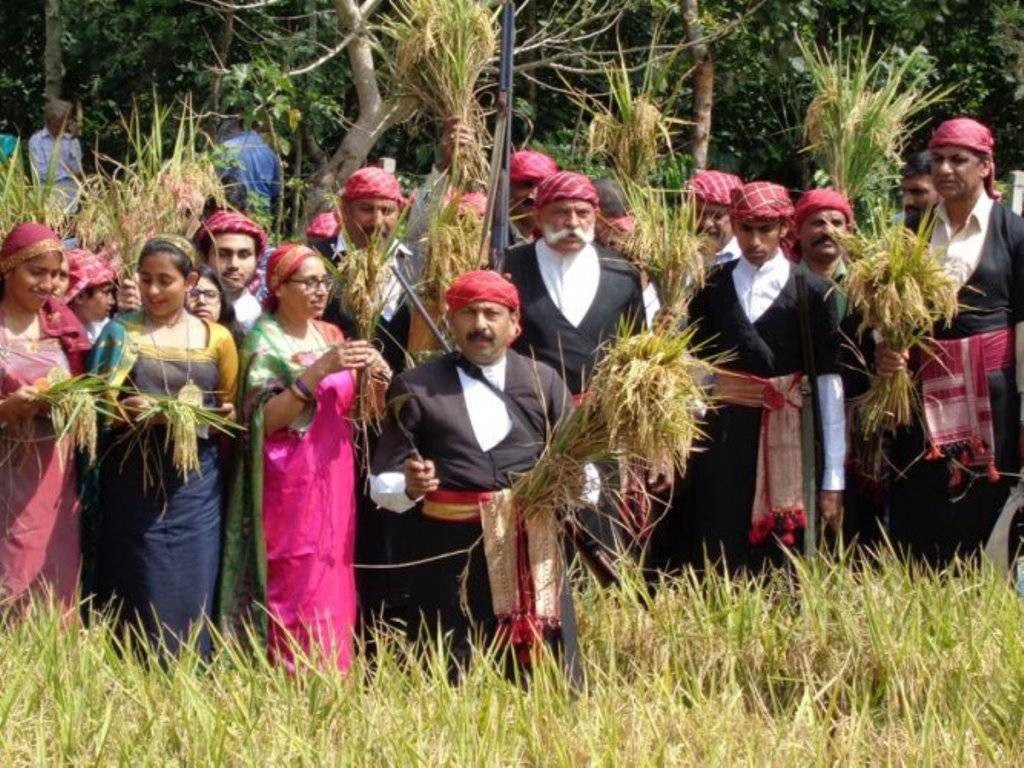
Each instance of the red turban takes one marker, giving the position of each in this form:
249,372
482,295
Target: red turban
282,264
715,187
529,167
565,185
324,226
761,201
473,203
815,200
88,270
372,183
969,134
481,285
229,223
25,242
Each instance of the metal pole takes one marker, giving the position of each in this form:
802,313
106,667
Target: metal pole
500,234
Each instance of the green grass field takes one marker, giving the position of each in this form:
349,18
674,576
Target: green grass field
835,665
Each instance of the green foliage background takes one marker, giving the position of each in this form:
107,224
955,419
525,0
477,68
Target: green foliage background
117,51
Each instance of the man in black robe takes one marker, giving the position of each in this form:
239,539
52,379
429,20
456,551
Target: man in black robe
953,475
575,295
746,495
459,429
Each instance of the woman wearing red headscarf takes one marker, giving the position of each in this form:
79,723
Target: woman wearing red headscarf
39,525
291,522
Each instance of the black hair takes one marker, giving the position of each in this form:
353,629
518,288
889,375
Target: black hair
227,316
180,258
917,164
611,198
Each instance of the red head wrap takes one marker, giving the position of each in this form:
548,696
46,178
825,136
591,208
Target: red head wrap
481,285
565,185
715,187
282,264
229,223
529,167
25,242
969,134
324,226
811,202
372,183
88,270
761,201
474,203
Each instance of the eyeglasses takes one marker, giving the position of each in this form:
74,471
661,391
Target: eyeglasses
206,295
310,284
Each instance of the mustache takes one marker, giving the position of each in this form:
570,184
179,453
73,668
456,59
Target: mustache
824,239
480,335
555,236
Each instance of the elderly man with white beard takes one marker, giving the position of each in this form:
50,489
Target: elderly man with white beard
574,295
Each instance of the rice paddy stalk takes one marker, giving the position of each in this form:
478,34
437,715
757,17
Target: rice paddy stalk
450,247
440,51
161,188
901,291
641,406
857,124
24,197
76,403
667,246
184,421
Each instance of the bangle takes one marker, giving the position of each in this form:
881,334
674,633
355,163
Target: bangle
301,392
304,389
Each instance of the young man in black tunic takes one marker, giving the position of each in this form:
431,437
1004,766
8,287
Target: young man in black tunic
953,475
575,295
747,496
459,429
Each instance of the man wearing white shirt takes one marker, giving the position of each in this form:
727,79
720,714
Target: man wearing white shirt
746,500
56,153
947,504
459,430
232,244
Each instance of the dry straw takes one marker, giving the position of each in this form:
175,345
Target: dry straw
858,123
24,197
441,48
75,403
641,406
160,189
901,292
451,246
667,246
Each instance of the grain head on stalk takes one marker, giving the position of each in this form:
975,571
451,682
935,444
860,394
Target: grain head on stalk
440,50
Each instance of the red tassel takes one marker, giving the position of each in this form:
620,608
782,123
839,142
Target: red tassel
933,453
992,472
956,477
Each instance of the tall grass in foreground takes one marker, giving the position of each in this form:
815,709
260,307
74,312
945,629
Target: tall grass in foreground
838,665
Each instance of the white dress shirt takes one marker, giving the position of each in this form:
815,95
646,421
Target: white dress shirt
757,288
61,172
652,303
731,252
571,281
491,422
247,310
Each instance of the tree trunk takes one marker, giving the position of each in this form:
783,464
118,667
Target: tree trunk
703,83
53,65
375,114
222,53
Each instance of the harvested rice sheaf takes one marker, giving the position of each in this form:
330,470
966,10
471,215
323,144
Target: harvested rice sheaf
901,291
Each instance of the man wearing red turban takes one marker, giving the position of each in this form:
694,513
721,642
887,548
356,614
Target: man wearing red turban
948,505
460,429
712,192
818,213
232,244
576,294
527,168
746,501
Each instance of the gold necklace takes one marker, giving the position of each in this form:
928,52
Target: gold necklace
190,393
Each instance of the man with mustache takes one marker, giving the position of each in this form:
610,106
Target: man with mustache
371,203
459,430
527,168
947,504
712,191
575,294
819,213
746,495
232,244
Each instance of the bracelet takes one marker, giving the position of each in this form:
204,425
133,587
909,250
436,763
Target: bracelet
301,392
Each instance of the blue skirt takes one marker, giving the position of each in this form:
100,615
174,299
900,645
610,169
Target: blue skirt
159,542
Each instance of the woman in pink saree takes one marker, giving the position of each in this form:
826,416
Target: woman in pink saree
39,339
290,532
